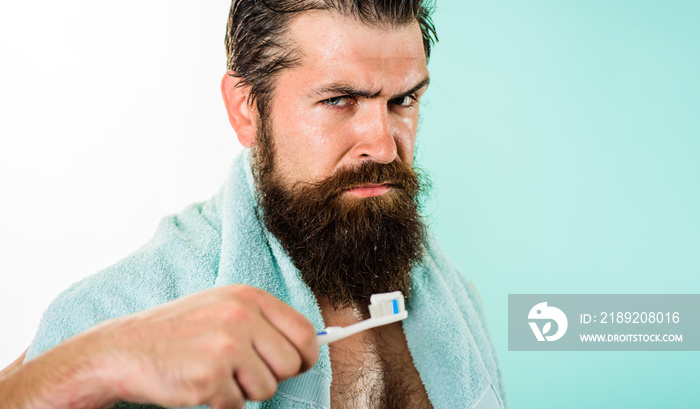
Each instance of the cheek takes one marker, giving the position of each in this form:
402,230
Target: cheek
330,132
309,144
406,139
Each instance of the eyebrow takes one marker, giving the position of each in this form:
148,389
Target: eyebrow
346,89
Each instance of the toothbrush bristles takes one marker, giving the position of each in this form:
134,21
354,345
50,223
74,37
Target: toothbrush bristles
386,304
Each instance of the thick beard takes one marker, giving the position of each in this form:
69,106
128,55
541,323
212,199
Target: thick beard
346,248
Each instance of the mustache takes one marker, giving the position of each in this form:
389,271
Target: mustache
397,174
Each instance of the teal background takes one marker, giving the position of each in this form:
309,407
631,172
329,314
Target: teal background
562,139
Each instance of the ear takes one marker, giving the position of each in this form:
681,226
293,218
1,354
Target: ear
241,114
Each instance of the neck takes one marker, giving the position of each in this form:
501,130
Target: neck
341,317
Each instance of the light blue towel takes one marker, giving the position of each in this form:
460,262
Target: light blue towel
223,242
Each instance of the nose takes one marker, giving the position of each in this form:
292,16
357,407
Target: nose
375,134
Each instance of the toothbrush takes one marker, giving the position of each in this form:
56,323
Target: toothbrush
384,308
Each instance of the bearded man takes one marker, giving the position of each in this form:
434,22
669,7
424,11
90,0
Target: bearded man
222,307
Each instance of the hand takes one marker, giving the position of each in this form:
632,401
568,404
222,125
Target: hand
219,347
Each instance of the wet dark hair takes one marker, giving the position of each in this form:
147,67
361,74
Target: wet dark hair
258,47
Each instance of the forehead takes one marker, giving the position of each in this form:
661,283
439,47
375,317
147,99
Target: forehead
338,49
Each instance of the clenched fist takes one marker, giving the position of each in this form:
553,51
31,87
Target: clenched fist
219,347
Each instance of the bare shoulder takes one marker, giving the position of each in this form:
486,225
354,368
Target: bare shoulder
14,365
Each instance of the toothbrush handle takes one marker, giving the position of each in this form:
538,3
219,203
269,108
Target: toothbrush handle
332,334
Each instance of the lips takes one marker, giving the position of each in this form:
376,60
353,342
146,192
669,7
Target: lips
370,190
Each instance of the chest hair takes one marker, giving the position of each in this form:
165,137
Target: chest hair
374,369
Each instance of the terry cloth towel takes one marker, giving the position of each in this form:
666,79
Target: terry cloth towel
222,241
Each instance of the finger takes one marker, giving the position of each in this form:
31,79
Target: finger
277,352
254,378
228,396
292,324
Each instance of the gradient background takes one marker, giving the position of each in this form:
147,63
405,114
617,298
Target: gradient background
561,136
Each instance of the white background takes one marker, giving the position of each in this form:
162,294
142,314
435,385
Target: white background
110,118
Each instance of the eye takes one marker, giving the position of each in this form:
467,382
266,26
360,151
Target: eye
338,101
404,101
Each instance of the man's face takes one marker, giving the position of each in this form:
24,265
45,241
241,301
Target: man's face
334,153
353,98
